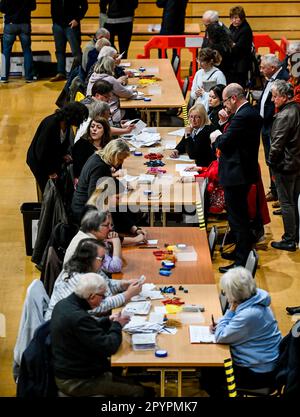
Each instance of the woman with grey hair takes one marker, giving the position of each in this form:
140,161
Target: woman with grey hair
250,328
104,70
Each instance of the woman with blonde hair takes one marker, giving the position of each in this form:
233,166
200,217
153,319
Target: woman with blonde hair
96,137
196,141
207,76
100,165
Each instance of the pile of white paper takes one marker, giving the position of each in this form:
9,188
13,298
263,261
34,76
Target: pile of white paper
143,327
144,139
201,334
140,308
144,341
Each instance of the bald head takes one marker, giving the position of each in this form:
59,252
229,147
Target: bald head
234,89
233,97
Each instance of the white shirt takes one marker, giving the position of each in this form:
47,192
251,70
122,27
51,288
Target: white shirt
266,92
214,74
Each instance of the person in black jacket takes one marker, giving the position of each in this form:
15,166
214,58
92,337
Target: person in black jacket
173,18
284,158
17,23
96,137
238,166
215,104
49,147
82,346
119,21
101,165
241,34
220,40
66,16
196,141
272,70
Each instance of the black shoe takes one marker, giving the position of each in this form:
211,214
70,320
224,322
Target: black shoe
224,269
277,212
293,310
229,256
284,245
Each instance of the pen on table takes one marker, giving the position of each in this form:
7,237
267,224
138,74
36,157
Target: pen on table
213,321
166,330
148,247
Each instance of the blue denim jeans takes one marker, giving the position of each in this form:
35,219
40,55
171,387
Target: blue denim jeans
62,35
11,31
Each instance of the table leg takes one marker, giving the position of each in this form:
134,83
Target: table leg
158,118
148,113
164,218
179,383
162,382
151,214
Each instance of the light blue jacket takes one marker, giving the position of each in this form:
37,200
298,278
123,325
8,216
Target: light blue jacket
252,333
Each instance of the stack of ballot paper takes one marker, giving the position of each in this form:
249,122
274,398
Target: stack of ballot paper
143,327
141,308
146,179
139,125
144,138
144,341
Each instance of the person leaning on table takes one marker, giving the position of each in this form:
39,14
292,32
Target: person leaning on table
88,257
250,329
81,345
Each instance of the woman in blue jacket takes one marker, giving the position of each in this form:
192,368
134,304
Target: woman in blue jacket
250,328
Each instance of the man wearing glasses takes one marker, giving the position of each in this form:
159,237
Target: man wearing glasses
82,346
238,166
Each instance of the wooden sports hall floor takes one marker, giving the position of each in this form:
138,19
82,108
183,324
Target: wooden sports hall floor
22,108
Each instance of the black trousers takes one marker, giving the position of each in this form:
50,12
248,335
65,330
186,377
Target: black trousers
124,33
238,219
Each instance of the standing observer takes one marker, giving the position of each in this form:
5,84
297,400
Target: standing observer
17,23
284,158
66,17
119,15
238,166
173,18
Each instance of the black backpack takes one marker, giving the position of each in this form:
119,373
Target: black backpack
255,79
36,378
288,368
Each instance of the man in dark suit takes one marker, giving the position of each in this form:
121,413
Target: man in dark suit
238,166
272,70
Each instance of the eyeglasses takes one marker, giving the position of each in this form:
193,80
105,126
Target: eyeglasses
106,225
99,295
100,258
226,99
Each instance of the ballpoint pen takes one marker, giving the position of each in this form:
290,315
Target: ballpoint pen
213,321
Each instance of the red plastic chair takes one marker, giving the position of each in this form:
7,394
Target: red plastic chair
178,42
262,40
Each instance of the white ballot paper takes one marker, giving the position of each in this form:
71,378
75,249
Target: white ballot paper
201,334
